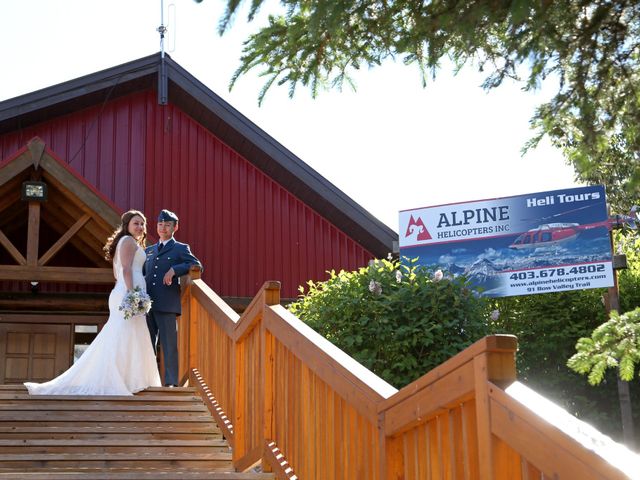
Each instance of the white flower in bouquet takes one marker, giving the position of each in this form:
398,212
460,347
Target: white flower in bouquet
135,302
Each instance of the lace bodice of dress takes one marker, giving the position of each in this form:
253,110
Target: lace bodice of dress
136,267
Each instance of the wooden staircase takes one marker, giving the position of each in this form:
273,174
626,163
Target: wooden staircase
161,433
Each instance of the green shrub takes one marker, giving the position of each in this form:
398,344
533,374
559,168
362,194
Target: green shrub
397,319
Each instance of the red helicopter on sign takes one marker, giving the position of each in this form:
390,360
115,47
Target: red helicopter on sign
553,234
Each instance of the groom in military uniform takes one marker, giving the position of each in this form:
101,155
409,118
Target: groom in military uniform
166,262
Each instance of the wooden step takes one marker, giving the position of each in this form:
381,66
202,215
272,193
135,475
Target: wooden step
124,432
113,474
33,446
144,458
157,392
139,409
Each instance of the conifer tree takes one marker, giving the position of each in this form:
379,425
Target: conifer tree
591,47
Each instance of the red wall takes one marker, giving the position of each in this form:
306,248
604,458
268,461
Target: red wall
244,227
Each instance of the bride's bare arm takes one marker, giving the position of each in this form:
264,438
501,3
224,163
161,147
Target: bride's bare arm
127,252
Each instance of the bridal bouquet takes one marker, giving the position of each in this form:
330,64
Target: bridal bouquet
135,302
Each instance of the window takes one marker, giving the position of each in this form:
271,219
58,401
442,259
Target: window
83,335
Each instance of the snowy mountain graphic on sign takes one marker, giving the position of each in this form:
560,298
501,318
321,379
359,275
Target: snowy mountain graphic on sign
417,230
452,268
482,268
483,274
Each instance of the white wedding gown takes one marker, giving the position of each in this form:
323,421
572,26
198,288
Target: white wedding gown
120,360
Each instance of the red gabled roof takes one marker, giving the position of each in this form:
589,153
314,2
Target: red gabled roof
211,111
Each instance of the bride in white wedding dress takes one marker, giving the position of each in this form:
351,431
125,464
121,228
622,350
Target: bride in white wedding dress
120,360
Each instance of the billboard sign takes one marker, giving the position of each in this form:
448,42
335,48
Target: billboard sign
526,244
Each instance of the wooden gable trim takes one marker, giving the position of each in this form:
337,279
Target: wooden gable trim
15,164
87,209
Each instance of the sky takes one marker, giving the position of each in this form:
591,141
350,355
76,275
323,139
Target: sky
391,145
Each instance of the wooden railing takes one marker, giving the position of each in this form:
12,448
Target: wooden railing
286,397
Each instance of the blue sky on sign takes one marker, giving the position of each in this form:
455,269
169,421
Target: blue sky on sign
391,145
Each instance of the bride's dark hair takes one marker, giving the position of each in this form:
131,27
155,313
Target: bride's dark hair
121,231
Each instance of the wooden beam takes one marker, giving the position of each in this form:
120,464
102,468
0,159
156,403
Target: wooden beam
83,240
85,302
33,233
15,167
10,195
13,251
56,274
45,317
62,241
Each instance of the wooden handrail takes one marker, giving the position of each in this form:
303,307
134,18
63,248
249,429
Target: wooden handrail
269,294
293,401
518,425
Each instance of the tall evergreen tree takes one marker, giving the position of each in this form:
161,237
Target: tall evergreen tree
591,47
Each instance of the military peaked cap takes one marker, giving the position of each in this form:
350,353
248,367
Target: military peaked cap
167,216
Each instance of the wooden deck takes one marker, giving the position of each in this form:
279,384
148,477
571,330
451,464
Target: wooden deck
159,433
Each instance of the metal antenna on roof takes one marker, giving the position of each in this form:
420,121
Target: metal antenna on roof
163,87
162,29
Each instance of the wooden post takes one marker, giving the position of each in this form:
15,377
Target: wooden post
194,333
267,372
624,395
188,314
33,234
240,406
496,365
267,382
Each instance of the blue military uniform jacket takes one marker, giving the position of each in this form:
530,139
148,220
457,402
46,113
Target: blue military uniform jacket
166,298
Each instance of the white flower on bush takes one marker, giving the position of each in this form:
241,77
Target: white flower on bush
438,275
375,287
495,315
398,276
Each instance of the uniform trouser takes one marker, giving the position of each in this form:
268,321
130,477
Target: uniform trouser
164,325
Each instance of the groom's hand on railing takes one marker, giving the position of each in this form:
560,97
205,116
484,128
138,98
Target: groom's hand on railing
193,274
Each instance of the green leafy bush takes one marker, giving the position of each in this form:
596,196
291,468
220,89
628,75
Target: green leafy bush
397,319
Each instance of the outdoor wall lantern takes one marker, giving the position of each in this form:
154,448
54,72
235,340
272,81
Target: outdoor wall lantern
34,191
